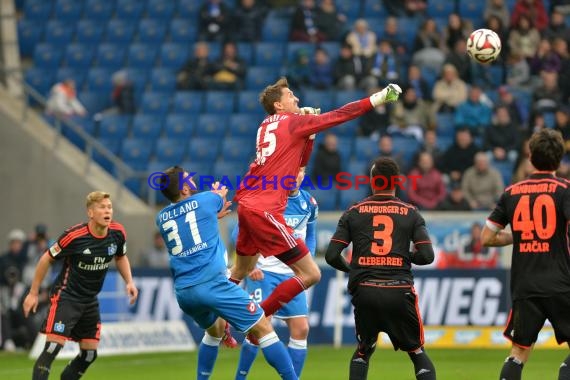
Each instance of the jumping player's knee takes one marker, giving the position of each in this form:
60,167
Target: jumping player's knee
364,351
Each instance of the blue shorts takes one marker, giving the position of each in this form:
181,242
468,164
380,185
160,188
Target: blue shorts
259,290
219,298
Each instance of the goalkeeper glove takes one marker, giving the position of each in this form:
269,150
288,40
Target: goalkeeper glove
310,111
387,95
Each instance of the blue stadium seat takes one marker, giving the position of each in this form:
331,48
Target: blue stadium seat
248,102
356,167
114,127
77,74
258,78
139,77
245,51
440,8
120,31
47,55
244,125
173,55
160,9
99,79
351,196
344,97
170,150
344,148
219,102
332,48
350,8
549,119
147,127
444,142
506,168
68,10
37,10
230,170
86,125
112,145
294,47
151,31
204,150
40,79
94,102
365,149
430,76
269,54
98,10
110,56
142,55
276,30
214,50
79,55
134,149
237,149
29,34
317,99
406,146
88,32
346,129
212,125
163,79
472,10
59,32
188,8
445,124
130,9
155,103
188,102
326,198
373,8
183,31
180,126
201,168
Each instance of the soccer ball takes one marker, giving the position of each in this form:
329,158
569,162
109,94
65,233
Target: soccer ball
483,46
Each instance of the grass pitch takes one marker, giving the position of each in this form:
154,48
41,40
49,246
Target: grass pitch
323,362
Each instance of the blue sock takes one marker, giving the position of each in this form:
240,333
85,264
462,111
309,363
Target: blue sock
246,358
207,354
298,352
276,355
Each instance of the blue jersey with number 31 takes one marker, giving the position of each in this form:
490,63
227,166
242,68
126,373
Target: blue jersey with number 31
190,231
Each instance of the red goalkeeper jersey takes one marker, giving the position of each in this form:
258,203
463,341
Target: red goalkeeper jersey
283,146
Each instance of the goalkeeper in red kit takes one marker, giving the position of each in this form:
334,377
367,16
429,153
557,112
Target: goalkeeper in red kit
284,143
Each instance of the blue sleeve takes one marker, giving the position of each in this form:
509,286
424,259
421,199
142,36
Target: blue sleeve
213,199
459,116
311,238
234,235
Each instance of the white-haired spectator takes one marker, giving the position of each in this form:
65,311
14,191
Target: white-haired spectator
62,101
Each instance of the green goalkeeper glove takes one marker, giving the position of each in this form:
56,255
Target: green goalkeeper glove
387,95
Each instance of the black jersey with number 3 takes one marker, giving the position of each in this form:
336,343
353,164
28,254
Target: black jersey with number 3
86,259
381,229
538,210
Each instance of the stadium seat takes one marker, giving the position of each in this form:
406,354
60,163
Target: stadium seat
327,199
346,129
151,31
248,102
317,99
549,119
173,55
219,102
440,8
183,31
86,125
244,125
188,8
351,196
98,10
344,148
230,170
506,168
214,50
350,8
79,55
68,10
269,54
445,125
88,32
373,8
180,126
120,31
344,97
406,146
212,125
332,48
47,55
355,167
112,145
94,102
276,30
170,150
203,150
294,47
77,74
154,103
200,168
130,9
258,78
59,32
134,149
139,78
237,149
147,127
246,52
114,127
365,149
142,55
188,102
110,56
160,9
444,142
163,79
471,9
29,34
37,10
40,80
99,79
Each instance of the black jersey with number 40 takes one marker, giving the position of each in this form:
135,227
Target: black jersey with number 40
86,259
381,229
538,210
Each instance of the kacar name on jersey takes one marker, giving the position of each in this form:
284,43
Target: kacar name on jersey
175,212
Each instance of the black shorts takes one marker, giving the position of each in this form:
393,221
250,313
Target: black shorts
73,320
391,308
528,315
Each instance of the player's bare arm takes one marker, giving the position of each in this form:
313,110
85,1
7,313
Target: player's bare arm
124,268
31,300
494,237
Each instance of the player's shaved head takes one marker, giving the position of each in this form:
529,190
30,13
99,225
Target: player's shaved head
96,197
546,149
272,94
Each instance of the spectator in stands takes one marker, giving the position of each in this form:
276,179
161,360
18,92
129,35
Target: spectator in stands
414,111
362,40
38,243
408,8
501,139
499,9
547,96
560,46
418,83
123,94
350,71
562,124
428,36
461,61
428,189
545,59
299,71
62,101
456,29
304,24
482,184
449,91
214,21
374,123
459,156
400,126
537,123
430,145
228,73
327,161
557,27
196,74
330,22
395,8
531,9
524,38
248,19
155,256
507,99
394,36
518,71
455,200
384,65
321,70
523,166
497,25
474,113
386,149
562,6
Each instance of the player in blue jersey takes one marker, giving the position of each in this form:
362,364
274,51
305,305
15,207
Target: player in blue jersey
197,255
301,215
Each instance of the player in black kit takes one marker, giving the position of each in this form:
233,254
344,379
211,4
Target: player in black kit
87,250
381,228
538,210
